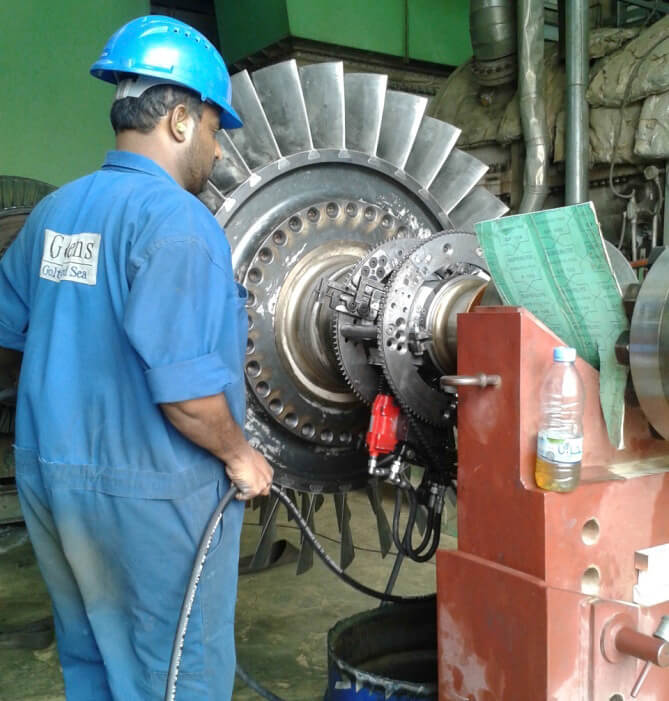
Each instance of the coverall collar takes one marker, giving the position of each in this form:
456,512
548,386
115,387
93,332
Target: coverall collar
127,160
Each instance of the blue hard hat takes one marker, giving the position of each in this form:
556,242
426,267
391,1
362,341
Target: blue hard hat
165,48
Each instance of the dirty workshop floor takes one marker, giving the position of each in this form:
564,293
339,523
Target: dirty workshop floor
282,619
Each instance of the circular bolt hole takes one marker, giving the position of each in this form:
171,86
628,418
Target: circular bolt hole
327,436
373,262
276,406
279,238
400,335
386,222
447,249
250,345
345,437
255,275
313,214
263,390
370,213
265,255
590,531
402,231
332,210
382,261
399,321
250,299
400,347
365,271
290,420
295,223
389,343
590,581
617,697
380,272
308,431
253,368
351,209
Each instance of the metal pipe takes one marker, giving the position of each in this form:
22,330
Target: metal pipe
532,107
577,133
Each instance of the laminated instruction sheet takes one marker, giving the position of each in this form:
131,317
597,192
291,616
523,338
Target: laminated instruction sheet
555,264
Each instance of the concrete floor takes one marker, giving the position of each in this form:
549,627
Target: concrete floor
282,619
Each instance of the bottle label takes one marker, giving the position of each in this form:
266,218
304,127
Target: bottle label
556,448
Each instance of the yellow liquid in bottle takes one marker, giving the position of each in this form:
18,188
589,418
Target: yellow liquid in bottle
556,476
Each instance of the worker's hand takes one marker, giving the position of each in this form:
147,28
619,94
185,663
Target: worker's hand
251,473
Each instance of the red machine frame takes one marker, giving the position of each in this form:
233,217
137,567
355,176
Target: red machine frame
532,603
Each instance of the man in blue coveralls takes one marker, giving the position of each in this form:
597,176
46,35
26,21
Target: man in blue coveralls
119,292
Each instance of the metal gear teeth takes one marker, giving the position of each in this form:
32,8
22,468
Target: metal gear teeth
412,243
379,328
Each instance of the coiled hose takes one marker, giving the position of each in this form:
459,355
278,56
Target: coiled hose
198,566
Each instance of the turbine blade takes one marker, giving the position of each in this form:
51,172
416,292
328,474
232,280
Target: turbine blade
212,197
456,178
280,92
255,140
479,205
365,95
261,557
434,141
347,551
402,115
231,170
323,89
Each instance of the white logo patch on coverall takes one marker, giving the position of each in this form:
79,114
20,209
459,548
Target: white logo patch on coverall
72,257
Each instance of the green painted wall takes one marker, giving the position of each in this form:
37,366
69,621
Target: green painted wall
438,29
54,116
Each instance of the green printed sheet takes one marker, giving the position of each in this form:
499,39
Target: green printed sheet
554,263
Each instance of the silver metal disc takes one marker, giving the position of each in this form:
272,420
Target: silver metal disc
649,345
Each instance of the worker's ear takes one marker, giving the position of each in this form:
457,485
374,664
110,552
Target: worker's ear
180,123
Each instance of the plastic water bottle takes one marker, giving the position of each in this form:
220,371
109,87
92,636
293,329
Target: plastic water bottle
560,439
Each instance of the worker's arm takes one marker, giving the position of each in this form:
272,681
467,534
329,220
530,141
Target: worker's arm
207,422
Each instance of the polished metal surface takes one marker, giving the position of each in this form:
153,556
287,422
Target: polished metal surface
480,380
365,97
255,140
479,205
577,136
280,93
456,178
492,27
402,115
323,88
454,297
403,332
649,345
434,141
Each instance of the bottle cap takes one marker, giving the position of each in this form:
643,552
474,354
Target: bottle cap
563,354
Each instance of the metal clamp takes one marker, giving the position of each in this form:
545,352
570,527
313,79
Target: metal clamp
479,380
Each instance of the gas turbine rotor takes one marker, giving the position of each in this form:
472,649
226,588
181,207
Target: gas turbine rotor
315,139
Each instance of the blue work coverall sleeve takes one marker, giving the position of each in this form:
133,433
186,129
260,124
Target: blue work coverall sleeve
180,317
14,296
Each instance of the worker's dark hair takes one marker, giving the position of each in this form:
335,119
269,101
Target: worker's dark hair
143,113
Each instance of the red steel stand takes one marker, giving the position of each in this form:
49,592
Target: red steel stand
537,602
